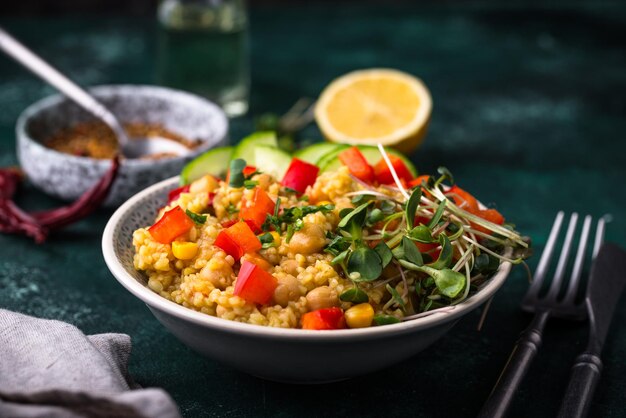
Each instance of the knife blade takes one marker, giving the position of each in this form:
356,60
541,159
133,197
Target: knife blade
606,282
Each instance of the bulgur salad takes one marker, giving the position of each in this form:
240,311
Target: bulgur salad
336,237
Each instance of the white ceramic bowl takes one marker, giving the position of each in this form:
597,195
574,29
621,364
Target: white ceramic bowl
68,176
287,355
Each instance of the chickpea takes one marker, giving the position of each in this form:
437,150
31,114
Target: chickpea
321,297
290,267
203,184
317,195
310,239
218,272
288,289
264,180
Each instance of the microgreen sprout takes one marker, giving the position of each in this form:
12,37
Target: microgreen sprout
441,251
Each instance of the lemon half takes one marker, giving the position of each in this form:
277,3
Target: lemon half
368,107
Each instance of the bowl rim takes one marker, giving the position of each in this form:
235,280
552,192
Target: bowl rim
153,300
35,109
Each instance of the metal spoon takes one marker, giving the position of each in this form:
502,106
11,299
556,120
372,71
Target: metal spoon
131,148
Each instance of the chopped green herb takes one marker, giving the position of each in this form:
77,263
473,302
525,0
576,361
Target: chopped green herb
385,320
250,184
198,219
232,209
267,240
289,190
354,295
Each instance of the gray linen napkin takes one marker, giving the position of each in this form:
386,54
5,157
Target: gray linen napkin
51,369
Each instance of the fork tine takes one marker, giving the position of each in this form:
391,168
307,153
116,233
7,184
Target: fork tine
542,267
599,236
560,268
578,265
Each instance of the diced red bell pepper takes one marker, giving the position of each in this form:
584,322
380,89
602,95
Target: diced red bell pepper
256,210
463,198
174,194
357,164
238,240
249,170
383,173
419,180
211,197
172,224
490,215
419,219
254,284
300,175
231,222
425,248
324,319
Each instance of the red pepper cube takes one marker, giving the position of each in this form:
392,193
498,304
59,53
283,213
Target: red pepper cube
429,249
237,240
211,197
254,284
357,164
463,198
383,172
255,211
173,223
175,194
249,170
300,175
490,215
324,319
226,243
419,180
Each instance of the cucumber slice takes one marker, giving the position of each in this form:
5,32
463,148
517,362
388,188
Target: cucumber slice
246,148
215,162
313,153
272,160
330,156
371,154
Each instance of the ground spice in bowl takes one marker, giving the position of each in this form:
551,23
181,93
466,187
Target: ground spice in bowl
96,140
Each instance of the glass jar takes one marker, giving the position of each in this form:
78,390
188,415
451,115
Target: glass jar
203,48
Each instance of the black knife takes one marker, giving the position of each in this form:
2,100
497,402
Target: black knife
608,276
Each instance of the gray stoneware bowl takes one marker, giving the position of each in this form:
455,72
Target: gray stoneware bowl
67,176
286,355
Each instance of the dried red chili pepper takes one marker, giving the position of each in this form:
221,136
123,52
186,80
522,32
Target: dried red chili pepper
14,220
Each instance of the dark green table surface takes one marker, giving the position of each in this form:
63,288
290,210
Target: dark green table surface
529,109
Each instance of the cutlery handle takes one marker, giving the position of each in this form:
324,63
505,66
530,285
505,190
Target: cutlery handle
585,376
515,369
16,50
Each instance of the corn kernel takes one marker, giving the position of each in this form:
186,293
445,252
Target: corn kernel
184,250
323,202
360,316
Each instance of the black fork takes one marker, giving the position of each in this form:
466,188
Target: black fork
544,307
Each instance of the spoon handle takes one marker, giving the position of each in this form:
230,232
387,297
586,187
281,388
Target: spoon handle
45,71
